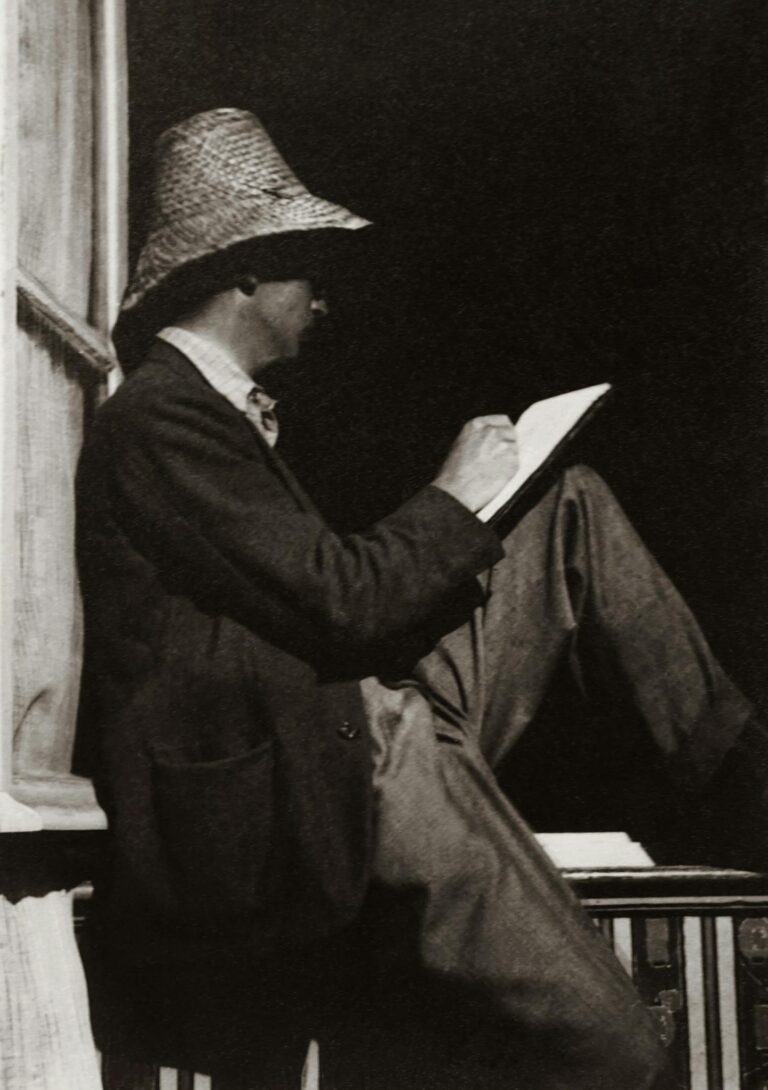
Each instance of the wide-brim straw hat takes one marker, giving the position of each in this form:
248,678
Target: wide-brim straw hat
219,184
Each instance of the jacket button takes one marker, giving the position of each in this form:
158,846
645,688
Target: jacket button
346,729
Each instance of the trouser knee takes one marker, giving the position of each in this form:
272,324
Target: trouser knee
582,478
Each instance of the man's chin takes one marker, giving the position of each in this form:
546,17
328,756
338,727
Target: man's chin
286,357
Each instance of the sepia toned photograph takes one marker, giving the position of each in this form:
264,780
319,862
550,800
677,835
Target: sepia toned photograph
384,571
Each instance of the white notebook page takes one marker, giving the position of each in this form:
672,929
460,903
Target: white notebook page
539,430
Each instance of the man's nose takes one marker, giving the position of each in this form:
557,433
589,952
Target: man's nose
319,306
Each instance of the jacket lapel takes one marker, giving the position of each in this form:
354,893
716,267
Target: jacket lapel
169,356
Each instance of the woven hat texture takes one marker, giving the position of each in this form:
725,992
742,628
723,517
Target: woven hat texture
219,180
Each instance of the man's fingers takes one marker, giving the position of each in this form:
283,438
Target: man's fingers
481,460
502,427
495,420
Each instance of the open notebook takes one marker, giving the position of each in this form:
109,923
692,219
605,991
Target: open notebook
542,431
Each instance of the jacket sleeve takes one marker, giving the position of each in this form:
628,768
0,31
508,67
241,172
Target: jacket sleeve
218,520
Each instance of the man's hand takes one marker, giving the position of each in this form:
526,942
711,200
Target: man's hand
480,462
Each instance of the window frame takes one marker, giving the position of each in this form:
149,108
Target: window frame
60,802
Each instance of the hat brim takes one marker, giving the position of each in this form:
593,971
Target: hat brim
291,255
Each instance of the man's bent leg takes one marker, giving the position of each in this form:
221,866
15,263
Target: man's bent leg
497,919
577,579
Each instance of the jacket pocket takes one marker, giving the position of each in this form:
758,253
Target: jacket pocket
215,819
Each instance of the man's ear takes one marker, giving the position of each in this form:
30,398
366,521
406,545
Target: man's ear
247,284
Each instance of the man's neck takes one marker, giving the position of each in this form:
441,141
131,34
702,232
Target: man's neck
227,339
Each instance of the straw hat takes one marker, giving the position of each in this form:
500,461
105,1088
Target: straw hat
220,181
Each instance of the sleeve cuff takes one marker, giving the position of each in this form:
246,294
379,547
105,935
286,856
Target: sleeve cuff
478,539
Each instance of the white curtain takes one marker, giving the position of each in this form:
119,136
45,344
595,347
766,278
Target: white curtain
46,1040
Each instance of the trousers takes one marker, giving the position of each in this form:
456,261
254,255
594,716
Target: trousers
516,987
473,967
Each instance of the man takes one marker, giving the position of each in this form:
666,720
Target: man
287,726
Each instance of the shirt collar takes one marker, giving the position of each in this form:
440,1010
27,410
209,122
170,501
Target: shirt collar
215,365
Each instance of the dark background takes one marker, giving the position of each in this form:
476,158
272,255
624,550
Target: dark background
566,191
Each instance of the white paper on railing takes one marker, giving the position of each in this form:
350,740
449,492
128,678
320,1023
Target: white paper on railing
540,430
580,850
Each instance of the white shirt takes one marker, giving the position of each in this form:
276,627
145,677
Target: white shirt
227,378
